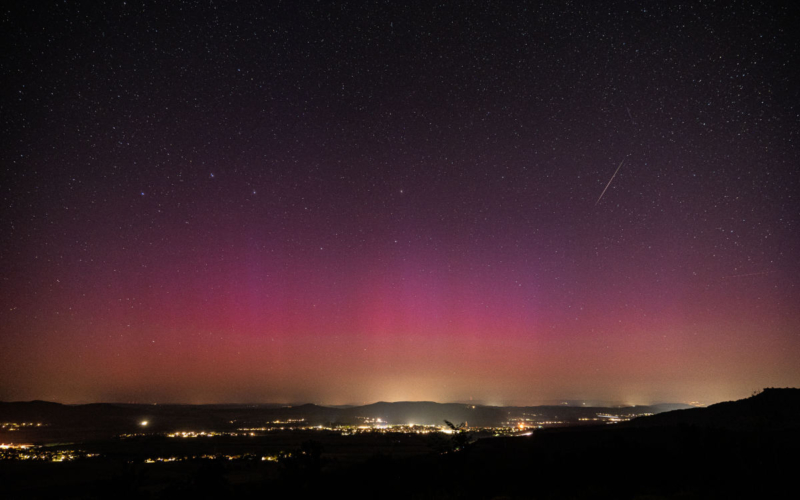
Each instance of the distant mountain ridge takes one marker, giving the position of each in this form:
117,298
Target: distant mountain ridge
773,409
125,418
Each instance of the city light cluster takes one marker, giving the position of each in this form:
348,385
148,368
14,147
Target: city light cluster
344,430
218,456
40,453
15,426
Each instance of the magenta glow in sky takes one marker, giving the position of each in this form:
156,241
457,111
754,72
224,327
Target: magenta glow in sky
361,202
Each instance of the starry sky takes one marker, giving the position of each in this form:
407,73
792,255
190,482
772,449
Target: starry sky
346,202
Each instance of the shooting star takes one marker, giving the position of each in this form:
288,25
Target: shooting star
609,182
630,115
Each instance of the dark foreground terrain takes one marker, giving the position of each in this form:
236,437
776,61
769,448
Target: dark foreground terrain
742,449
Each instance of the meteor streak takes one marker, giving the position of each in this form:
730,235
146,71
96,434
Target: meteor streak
609,182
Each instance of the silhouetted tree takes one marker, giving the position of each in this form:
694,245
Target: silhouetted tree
461,437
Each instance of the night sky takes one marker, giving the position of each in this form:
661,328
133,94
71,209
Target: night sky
350,202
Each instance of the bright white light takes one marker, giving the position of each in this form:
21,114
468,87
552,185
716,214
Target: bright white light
143,423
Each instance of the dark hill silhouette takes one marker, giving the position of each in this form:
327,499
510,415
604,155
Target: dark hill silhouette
45,411
740,449
771,409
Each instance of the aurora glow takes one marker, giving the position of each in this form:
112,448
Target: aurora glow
345,203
